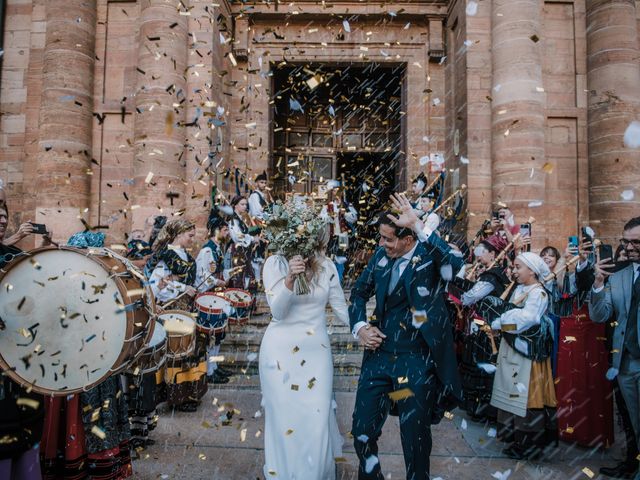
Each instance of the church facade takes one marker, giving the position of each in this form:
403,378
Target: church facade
116,111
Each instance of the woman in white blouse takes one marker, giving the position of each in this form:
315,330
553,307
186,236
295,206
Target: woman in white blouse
523,389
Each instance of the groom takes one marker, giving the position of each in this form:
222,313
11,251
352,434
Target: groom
409,358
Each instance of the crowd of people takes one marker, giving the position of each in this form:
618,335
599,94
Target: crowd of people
541,340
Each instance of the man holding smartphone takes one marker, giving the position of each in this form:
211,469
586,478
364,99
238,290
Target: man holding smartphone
621,297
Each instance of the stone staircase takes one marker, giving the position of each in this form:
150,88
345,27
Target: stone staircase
242,344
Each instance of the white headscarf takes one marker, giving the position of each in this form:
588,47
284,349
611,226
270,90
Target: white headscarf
536,264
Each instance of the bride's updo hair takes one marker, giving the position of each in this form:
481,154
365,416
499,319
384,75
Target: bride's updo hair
315,261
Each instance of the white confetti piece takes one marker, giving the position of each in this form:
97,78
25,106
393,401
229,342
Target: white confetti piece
363,438
252,356
492,433
463,424
472,8
535,203
436,101
346,26
502,475
632,135
149,177
627,195
370,463
520,387
424,160
464,160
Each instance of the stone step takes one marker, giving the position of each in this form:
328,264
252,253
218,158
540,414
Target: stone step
341,382
246,362
341,339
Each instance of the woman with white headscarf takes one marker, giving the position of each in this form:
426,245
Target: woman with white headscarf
523,389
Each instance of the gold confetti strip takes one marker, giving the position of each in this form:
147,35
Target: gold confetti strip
294,387
296,349
243,434
202,456
401,394
588,472
97,431
448,415
28,402
288,432
569,430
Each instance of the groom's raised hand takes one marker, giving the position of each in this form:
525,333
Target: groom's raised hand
408,217
370,337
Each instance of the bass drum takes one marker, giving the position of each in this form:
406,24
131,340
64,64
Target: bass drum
73,317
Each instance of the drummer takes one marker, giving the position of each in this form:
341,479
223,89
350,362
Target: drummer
173,281
209,277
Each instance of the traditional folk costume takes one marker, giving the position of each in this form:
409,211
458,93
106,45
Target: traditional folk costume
582,387
86,435
523,389
341,227
240,258
186,381
21,417
210,267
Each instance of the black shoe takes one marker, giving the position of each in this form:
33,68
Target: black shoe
621,470
188,407
514,452
224,372
219,378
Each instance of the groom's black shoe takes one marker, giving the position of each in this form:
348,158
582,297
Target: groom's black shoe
224,372
621,470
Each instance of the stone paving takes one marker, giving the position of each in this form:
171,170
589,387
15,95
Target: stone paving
223,439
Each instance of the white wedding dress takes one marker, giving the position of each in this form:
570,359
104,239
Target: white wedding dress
301,437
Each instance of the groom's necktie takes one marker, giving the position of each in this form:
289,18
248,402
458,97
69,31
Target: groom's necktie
395,274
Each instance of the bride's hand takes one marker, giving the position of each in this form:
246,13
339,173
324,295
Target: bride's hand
296,266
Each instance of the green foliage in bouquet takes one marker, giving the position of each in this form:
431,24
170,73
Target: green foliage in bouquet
293,229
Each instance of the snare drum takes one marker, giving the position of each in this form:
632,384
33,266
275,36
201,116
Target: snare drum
241,301
73,317
154,355
181,333
212,313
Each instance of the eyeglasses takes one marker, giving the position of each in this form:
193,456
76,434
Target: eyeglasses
626,242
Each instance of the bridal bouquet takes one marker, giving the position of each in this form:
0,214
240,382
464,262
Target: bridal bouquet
292,229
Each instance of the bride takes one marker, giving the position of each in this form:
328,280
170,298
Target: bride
296,369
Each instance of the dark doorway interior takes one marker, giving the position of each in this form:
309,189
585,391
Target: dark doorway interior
342,122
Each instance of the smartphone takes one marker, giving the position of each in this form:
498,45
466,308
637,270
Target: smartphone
525,230
39,228
573,241
587,234
605,252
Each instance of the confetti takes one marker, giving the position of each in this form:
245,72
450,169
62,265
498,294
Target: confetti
631,137
627,195
98,432
401,394
346,26
472,8
588,472
370,463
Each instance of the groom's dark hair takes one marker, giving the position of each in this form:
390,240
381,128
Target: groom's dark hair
401,232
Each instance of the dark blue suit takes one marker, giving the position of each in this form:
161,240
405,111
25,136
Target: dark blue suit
421,359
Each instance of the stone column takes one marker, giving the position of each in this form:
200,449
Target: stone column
63,181
613,81
161,97
518,109
201,26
